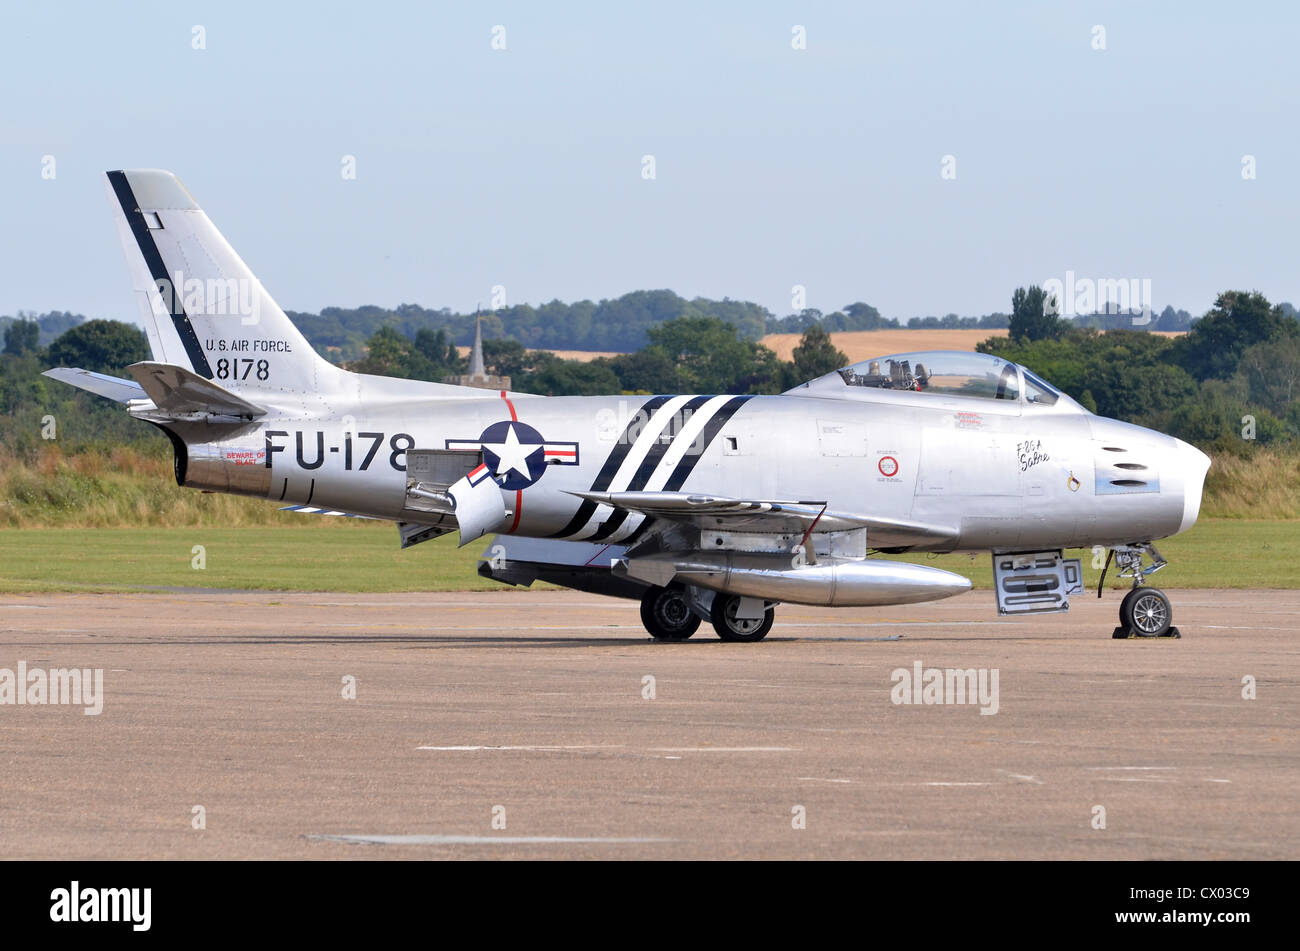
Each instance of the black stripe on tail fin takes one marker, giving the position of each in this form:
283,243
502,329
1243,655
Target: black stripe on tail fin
158,271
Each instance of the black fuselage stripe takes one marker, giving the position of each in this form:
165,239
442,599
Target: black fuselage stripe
610,468
158,271
663,443
711,430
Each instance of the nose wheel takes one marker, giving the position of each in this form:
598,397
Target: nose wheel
1144,612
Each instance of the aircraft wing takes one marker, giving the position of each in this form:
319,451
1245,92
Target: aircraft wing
101,384
764,517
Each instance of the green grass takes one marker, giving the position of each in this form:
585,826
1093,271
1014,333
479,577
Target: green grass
321,557
310,554
1215,553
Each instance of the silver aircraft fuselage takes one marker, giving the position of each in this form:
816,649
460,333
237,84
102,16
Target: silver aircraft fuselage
1005,474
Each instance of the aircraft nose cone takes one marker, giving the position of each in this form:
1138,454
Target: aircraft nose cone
1192,465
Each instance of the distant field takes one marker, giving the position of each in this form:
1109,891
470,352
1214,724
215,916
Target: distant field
583,355
344,555
856,344
864,344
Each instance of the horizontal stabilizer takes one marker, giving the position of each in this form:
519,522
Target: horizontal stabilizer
101,384
176,390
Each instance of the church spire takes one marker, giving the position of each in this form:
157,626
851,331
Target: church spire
476,374
477,371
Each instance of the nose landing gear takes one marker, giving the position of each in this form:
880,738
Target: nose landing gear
1144,612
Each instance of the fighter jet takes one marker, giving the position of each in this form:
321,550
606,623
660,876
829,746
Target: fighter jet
712,507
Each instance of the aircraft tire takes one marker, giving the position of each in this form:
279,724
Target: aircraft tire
1123,605
666,614
730,628
1147,612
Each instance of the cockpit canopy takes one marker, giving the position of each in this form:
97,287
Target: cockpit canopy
943,373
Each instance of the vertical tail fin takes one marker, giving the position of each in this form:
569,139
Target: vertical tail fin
203,309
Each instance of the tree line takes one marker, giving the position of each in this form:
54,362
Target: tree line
620,324
684,354
623,324
1231,382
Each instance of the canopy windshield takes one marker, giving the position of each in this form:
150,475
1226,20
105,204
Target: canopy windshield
949,373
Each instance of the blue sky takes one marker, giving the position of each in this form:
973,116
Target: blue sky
774,167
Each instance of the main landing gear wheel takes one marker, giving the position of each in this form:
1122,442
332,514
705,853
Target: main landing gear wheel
666,614
1146,612
732,628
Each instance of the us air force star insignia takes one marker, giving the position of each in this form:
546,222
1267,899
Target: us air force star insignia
517,454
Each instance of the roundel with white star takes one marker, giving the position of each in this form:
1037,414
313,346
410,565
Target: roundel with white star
516,453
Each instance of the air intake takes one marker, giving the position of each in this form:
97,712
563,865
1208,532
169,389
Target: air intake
1113,477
